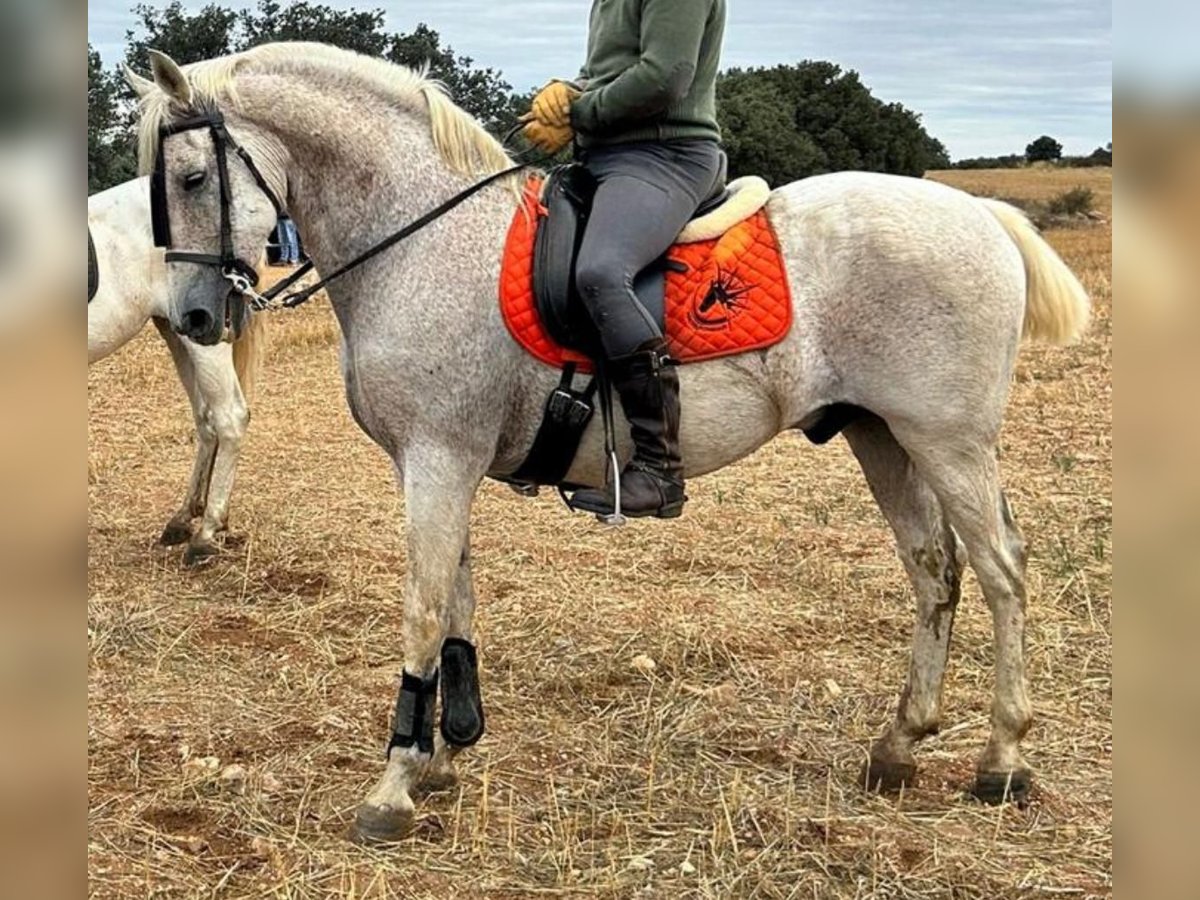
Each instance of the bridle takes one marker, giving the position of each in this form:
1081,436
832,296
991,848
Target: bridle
241,274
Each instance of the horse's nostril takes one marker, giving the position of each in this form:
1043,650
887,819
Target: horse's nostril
197,323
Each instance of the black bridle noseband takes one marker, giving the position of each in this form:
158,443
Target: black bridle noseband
241,274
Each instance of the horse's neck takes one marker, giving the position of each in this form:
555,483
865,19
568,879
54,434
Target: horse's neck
120,219
358,171
133,279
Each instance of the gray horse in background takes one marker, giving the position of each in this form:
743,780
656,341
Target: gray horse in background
911,300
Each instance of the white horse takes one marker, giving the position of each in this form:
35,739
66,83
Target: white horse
132,290
911,299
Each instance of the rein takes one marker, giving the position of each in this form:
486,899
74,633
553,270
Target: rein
242,276
270,298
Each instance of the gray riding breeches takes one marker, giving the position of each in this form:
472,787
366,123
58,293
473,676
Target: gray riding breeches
646,193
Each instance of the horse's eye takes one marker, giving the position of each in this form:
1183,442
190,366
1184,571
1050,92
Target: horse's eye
193,180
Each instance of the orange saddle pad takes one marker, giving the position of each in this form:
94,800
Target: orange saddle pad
733,296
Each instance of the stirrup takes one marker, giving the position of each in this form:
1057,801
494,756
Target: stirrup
616,518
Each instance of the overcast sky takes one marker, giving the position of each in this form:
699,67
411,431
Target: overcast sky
987,76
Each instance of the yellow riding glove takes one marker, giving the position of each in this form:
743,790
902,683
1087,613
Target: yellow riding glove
548,138
552,105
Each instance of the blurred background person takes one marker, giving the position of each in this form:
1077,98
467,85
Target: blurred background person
289,241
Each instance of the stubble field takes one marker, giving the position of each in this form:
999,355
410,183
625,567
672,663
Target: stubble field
775,613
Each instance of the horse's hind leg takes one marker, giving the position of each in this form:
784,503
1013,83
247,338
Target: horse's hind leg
966,478
439,485
931,556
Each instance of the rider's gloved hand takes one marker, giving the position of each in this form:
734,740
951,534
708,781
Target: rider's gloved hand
547,138
552,105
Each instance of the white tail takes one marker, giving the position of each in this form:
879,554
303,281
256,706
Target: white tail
248,352
1057,308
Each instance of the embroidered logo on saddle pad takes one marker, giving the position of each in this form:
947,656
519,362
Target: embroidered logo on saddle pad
729,296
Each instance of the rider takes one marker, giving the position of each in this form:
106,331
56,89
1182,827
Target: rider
642,114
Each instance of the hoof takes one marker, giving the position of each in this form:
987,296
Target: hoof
887,777
997,787
175,533
198,554
382,824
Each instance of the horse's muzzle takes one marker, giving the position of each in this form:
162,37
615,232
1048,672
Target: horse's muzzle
201,326
199,314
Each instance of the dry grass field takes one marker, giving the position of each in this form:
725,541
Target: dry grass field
775,612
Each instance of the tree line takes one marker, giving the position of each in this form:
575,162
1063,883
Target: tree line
215,30
783,122
1044,149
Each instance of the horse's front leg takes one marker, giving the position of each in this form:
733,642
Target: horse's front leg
462,708
227,416
438,488
179,528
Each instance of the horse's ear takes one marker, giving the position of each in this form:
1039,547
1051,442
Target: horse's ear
141,86
169,77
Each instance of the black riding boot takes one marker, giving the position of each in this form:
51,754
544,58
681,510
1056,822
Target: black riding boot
652,482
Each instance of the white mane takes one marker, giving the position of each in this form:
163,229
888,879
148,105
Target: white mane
462,142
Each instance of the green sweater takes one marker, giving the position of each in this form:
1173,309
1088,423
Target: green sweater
651,71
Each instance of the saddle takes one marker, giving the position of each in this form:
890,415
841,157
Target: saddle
720,290
566,197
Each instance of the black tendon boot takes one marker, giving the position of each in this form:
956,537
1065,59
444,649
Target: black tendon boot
652,482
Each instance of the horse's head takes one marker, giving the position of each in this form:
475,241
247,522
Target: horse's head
216,185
